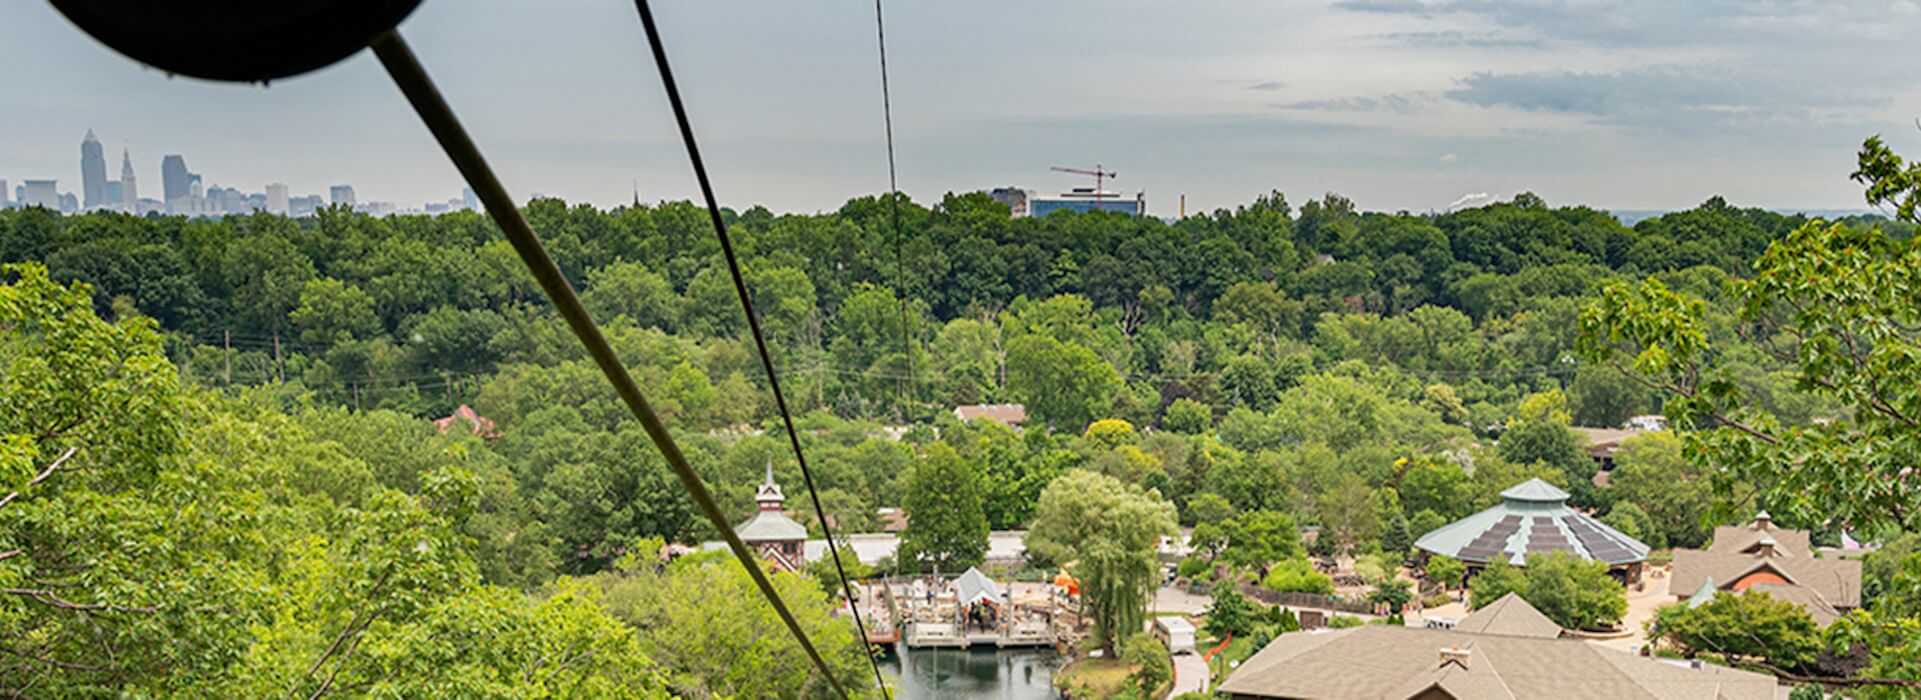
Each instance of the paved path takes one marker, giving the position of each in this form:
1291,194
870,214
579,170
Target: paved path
1170,599
1190,674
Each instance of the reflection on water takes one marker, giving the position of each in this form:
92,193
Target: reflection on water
981,672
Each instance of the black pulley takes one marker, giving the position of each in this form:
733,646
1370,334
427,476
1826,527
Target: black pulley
236,40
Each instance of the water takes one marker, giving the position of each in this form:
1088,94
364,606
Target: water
980,672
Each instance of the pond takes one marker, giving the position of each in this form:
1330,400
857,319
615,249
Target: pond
980,672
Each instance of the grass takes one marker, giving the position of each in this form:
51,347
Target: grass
1223,663
1094,678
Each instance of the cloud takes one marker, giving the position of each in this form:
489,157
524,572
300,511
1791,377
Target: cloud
1449,158
1458,39
1400,104
1267,86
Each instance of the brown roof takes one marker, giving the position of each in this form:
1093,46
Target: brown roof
1828,584
1002,413
1394,662
1817,606
1836,581
1509,616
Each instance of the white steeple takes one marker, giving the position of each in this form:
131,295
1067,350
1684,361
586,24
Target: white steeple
769,496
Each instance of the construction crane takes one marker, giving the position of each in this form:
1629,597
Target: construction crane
1100,177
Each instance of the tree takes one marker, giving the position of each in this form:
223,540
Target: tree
1750,624
630,289
1347,512
1259,538
946,527
1110,432
1062,384
1229,613
1393,593
1106,533
1395,538
1445,571
703,622
822,571
1188,417
332,312
1575,593
1444,402
1495,581
1675,495
1603,397
1152,667
1634,522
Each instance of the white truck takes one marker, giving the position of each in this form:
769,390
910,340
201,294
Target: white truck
1176,632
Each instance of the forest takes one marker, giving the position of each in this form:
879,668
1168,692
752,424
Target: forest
227,479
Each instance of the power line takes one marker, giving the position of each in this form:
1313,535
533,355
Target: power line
893,203
753,324
439,117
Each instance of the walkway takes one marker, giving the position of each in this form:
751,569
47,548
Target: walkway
1190,674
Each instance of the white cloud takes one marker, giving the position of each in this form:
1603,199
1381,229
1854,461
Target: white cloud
1449,158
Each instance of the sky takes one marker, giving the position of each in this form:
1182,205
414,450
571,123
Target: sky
1397,104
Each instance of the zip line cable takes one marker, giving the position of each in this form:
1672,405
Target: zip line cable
753,319
439,117
893,204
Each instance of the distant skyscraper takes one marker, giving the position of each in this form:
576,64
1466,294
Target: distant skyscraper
174,177
129,194
467,197
93,173
4,202
342,195
114,197
41,193
304,206
277,198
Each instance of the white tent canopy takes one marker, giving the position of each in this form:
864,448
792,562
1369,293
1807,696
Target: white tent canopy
974,586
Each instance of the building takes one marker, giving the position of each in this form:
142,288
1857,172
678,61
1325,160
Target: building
277,198
304,206
93,173
471,420
1762,557
1085,199
342,195
1602,443
770,532
468,199
40,193
1534,518
1015,198
1011,415
5,195
1505,650
129,193
174,178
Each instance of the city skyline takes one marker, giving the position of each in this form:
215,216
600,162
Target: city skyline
1397,105
187,193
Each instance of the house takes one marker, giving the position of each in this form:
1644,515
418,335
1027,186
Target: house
770,532
1533,518
474,422
1505,650
1602,443
1762,557
1007,414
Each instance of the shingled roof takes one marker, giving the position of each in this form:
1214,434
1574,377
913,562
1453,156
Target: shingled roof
1533,517
1394,662
1778,562
1510,616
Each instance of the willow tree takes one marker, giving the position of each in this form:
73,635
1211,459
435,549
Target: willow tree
1106,534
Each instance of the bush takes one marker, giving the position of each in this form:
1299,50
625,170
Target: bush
1445,571
1437,600
1297,576
1283,619
1341,622
1191,567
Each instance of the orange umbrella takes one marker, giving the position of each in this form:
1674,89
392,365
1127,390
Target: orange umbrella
1062,580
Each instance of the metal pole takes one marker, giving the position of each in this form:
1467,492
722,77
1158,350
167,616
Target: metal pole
420,91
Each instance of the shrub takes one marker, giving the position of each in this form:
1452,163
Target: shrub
1297,576
1341,622
1191,567
1152,666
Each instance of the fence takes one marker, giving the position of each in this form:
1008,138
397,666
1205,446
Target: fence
1294,599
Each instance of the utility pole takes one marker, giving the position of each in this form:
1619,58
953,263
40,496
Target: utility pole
226,375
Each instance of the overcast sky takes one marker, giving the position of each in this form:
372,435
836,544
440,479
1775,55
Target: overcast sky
1399,104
